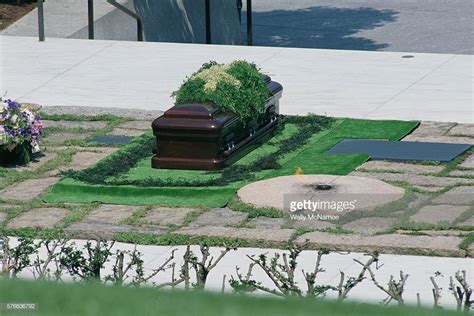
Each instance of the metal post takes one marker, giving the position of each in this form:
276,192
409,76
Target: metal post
90,12
40,21
139,31
208,21
249,23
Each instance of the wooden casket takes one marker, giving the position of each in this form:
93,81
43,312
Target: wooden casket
202,137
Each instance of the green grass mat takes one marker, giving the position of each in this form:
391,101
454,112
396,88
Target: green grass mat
55,299
139,184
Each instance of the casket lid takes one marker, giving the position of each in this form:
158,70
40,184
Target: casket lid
202,116
192,110
194,116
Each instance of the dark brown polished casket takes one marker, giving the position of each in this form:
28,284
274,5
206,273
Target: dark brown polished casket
202,137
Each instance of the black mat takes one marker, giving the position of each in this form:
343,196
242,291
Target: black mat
400,151
111,140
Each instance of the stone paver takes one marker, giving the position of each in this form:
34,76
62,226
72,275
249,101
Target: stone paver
83,160
280,192
390,243
435,214
462,129
441,139
429,128
39,162
266,222
126,112
61,137
260,234
5,206
28,190
370,225
219,217
468,162
94,230
389,166
470,250
463,195
312,223
110,214
415,179
140,125
167,216
126,132
75,124
108,150
462,173
39,217
468,222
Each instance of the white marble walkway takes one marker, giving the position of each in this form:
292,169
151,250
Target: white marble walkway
378,85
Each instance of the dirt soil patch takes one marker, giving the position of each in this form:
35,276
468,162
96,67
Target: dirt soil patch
10,13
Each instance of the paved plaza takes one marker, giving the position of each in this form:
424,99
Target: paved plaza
132,75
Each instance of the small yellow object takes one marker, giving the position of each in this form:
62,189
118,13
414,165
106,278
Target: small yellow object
298,171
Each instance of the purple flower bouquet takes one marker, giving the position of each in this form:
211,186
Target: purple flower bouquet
20,132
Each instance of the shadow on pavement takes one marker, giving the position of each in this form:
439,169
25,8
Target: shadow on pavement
318,27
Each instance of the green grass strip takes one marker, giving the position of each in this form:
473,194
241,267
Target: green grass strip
74,191
56,299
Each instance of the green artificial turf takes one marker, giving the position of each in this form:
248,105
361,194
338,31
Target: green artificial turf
74,191
93,299
187,188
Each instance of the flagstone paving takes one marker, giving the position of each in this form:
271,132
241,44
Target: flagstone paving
390,166
28,189
219,217
389,243
438,195
463,195
468,222
468,162
311,224
414,179
34,165
110,214
462,173
429,128
436,214
167,216
463,130
126,132
61,137
265,236
443,132
266,223
370,225
139,125
75,124
39,218
84,159
96,230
